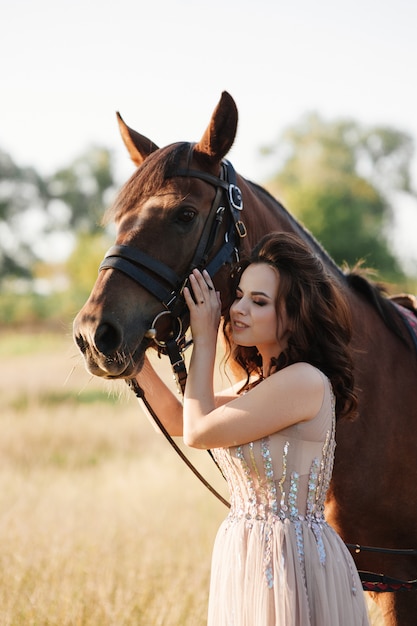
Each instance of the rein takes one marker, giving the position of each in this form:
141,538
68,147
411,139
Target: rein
163,283
380,583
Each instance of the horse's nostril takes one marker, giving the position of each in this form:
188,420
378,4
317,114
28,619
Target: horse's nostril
108,338
79,340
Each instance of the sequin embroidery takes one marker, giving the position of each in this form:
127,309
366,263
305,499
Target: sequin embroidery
269,473
264,493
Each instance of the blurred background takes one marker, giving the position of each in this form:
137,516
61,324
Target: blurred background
96,515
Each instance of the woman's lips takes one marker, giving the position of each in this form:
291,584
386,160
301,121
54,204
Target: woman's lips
239,325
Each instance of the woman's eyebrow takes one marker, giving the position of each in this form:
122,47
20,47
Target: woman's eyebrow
260,293
255,293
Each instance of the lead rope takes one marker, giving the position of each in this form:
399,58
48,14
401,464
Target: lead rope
140,394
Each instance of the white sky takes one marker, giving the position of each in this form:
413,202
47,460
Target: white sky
68,65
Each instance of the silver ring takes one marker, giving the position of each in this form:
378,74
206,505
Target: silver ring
159,342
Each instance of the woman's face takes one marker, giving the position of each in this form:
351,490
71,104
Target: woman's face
253,313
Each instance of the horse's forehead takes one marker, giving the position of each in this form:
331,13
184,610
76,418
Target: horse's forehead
151,212
166,197
156,202
137,195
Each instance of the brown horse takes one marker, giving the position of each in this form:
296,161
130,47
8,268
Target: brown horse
183,207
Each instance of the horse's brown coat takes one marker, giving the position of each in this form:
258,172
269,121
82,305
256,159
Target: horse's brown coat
373,496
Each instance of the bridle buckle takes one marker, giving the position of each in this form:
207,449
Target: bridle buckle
235,197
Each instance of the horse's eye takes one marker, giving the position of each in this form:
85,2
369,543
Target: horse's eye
186,215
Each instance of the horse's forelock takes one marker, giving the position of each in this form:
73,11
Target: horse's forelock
148,179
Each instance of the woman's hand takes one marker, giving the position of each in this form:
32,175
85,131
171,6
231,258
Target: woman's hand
205,311
205,307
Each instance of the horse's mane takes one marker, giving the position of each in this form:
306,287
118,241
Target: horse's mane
376,294
356,279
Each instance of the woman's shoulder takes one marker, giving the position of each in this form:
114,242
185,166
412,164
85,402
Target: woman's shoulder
305,384
303,373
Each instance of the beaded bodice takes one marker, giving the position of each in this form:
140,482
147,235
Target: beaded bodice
286,474
283,477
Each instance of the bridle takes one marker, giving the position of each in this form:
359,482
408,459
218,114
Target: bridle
163,283
167,287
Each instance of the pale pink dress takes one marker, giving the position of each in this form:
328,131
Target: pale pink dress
275,560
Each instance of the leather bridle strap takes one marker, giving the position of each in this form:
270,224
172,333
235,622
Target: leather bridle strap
129,260
226,181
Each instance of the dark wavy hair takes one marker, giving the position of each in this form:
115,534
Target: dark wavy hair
318,314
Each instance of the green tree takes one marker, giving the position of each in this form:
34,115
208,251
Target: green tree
23,197
83,263
35,209
338,178
80,192
39,220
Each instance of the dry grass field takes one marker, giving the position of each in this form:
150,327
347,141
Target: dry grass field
101,524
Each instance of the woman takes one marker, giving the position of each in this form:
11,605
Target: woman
275,561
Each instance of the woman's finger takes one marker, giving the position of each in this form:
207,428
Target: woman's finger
208,280
187,297
204,281
198,292
201,290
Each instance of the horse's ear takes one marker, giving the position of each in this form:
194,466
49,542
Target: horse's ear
220,133
138,146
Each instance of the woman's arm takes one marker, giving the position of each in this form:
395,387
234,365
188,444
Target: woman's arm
292,395
163,401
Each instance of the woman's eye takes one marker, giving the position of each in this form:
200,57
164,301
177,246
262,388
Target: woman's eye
186,215
259,302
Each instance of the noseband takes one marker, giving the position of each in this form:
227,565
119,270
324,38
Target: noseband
163,283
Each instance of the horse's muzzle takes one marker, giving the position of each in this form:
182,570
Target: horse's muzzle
105,351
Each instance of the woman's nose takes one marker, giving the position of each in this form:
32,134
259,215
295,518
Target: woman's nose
238,306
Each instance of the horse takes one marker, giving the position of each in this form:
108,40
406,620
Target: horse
184,207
